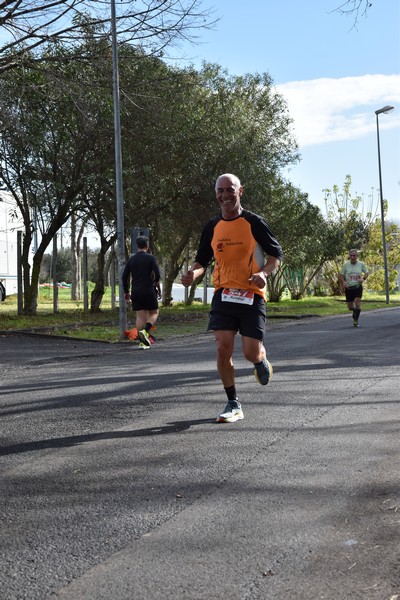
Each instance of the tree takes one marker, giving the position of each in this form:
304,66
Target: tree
48,143
26,26
345,212
178,136
184,130
306,238
373,255
64,266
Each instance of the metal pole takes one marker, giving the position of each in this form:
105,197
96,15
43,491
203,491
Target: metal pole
382,216
85,275
205,284
113,278
186,294
20,302
55,276
163,278
118,176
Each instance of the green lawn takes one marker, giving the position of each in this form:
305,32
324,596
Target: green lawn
179,319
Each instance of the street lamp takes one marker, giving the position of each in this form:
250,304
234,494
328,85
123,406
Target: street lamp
385,110
118,175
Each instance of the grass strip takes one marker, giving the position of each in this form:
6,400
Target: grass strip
180,319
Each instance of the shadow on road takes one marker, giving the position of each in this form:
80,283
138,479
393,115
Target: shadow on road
76,440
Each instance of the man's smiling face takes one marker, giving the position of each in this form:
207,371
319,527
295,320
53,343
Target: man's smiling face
228,194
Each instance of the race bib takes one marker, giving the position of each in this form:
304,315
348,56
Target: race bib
356,277
238,296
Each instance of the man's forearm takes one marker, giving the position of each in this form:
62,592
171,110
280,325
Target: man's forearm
197,269
272,263
193,273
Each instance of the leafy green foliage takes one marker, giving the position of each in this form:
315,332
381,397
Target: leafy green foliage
180,130
352,226
344,209
373,255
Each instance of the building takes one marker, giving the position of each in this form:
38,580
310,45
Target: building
10,223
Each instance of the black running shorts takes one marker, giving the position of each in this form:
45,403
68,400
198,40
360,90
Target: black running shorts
248,319
144,299
353,292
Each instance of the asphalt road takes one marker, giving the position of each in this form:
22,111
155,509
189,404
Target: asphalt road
118,484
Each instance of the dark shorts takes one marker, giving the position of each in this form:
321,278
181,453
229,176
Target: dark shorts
353,292
249,320
144,300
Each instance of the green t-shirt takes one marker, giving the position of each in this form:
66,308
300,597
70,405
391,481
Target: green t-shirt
353,273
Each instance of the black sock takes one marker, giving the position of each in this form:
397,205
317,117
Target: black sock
259,363
148,327
356,313
231,393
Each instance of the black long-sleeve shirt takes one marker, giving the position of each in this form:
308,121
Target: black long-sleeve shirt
144,271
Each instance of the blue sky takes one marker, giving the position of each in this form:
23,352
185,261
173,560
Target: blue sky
334,75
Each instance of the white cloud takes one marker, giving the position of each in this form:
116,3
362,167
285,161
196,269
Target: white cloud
330,110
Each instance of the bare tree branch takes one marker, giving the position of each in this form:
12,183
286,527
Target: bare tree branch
354,8
26,25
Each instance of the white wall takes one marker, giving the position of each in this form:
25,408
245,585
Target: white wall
8,242
178,293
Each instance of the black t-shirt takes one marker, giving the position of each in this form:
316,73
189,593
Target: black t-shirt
144,271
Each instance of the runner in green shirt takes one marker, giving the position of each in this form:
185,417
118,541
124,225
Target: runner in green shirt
352,275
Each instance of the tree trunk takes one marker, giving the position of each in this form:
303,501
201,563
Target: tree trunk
31,286
97,294
172,272
174,265
110,258
31,290
275,285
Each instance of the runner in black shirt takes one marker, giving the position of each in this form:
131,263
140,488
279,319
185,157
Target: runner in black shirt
144,271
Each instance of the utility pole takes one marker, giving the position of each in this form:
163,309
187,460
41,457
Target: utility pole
118,176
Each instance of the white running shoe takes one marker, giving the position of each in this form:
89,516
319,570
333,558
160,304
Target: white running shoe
231,413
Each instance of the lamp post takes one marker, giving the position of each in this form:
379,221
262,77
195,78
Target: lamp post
385,110
118,176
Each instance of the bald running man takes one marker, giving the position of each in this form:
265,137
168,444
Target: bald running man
246,252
